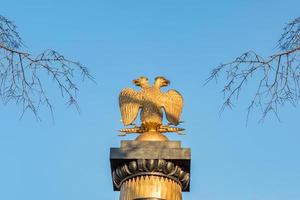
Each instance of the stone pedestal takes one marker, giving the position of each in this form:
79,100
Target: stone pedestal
150,170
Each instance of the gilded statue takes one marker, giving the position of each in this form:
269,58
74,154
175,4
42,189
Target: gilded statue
151,102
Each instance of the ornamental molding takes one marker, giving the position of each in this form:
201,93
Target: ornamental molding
150,167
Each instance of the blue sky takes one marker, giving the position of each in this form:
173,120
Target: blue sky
121,40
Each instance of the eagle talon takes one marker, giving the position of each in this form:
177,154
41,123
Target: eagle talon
134,125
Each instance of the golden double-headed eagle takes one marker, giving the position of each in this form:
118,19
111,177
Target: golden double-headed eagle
151,101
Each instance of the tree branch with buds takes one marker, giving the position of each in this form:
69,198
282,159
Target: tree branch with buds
22,74
278,75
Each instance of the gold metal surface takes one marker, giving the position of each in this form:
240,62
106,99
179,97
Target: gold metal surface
150,186
152,136
151,101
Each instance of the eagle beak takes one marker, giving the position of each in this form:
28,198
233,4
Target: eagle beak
136,82
166,82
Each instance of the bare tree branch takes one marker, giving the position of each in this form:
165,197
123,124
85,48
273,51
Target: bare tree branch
278,75
21,74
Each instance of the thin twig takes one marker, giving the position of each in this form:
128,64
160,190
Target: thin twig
278,75
21,73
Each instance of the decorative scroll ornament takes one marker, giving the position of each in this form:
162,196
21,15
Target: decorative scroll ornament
151,101
153,167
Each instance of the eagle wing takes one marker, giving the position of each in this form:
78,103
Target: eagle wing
129,102
172,102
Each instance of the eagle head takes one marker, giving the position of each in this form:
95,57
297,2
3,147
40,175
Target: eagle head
141,81
161,81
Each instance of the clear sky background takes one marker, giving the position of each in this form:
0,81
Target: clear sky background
121,40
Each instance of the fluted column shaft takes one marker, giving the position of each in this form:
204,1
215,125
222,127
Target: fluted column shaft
144,187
